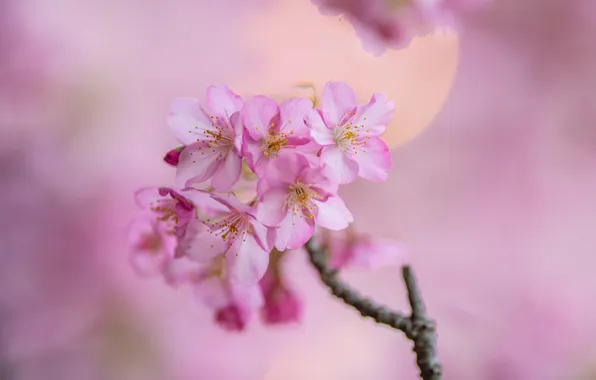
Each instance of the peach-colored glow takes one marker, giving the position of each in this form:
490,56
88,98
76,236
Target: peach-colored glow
293,43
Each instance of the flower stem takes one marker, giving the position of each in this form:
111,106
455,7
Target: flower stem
418,327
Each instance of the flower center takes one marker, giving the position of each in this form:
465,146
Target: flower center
300,200
151,242
350,137
166,211
274,143
230,227
219,136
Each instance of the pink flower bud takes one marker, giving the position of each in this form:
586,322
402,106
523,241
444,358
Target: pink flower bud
231,318
281,304
173,156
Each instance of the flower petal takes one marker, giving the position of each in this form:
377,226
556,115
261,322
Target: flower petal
228,173
375,116
319,131
333,214
251,151
146,196
293,112
257,114
186,119
197,164
374,160
270,208
294,232
222,101
247,262
337,100
200,243
263,235
337,166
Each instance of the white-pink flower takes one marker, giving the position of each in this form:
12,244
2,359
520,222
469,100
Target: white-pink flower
349,134
170,208
296,199
164,217
273,131
230,228
212,135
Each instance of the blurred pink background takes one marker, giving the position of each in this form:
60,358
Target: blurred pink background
492,189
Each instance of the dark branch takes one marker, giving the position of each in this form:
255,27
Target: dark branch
417,327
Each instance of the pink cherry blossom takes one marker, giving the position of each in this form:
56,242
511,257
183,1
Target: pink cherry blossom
281,305
301,198
213,136
351,250
170,208
392,24
349,134
273,131
231,229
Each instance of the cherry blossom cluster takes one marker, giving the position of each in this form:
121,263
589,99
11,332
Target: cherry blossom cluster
254,180
392,24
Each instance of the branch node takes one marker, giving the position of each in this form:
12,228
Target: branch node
417,327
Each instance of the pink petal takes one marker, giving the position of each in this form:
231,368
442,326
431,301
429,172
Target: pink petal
294,231
247,262
185,116
146,196
238,128
337,166
375,115
321,182
197,164
222,101
374,160
293,113
333,214
199,198
232,202
257,115
270,208
289,166
201,245
228,173
251,150
262,235
337,100
263,186
318,130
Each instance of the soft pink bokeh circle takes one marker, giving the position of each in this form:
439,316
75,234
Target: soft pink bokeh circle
418,79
